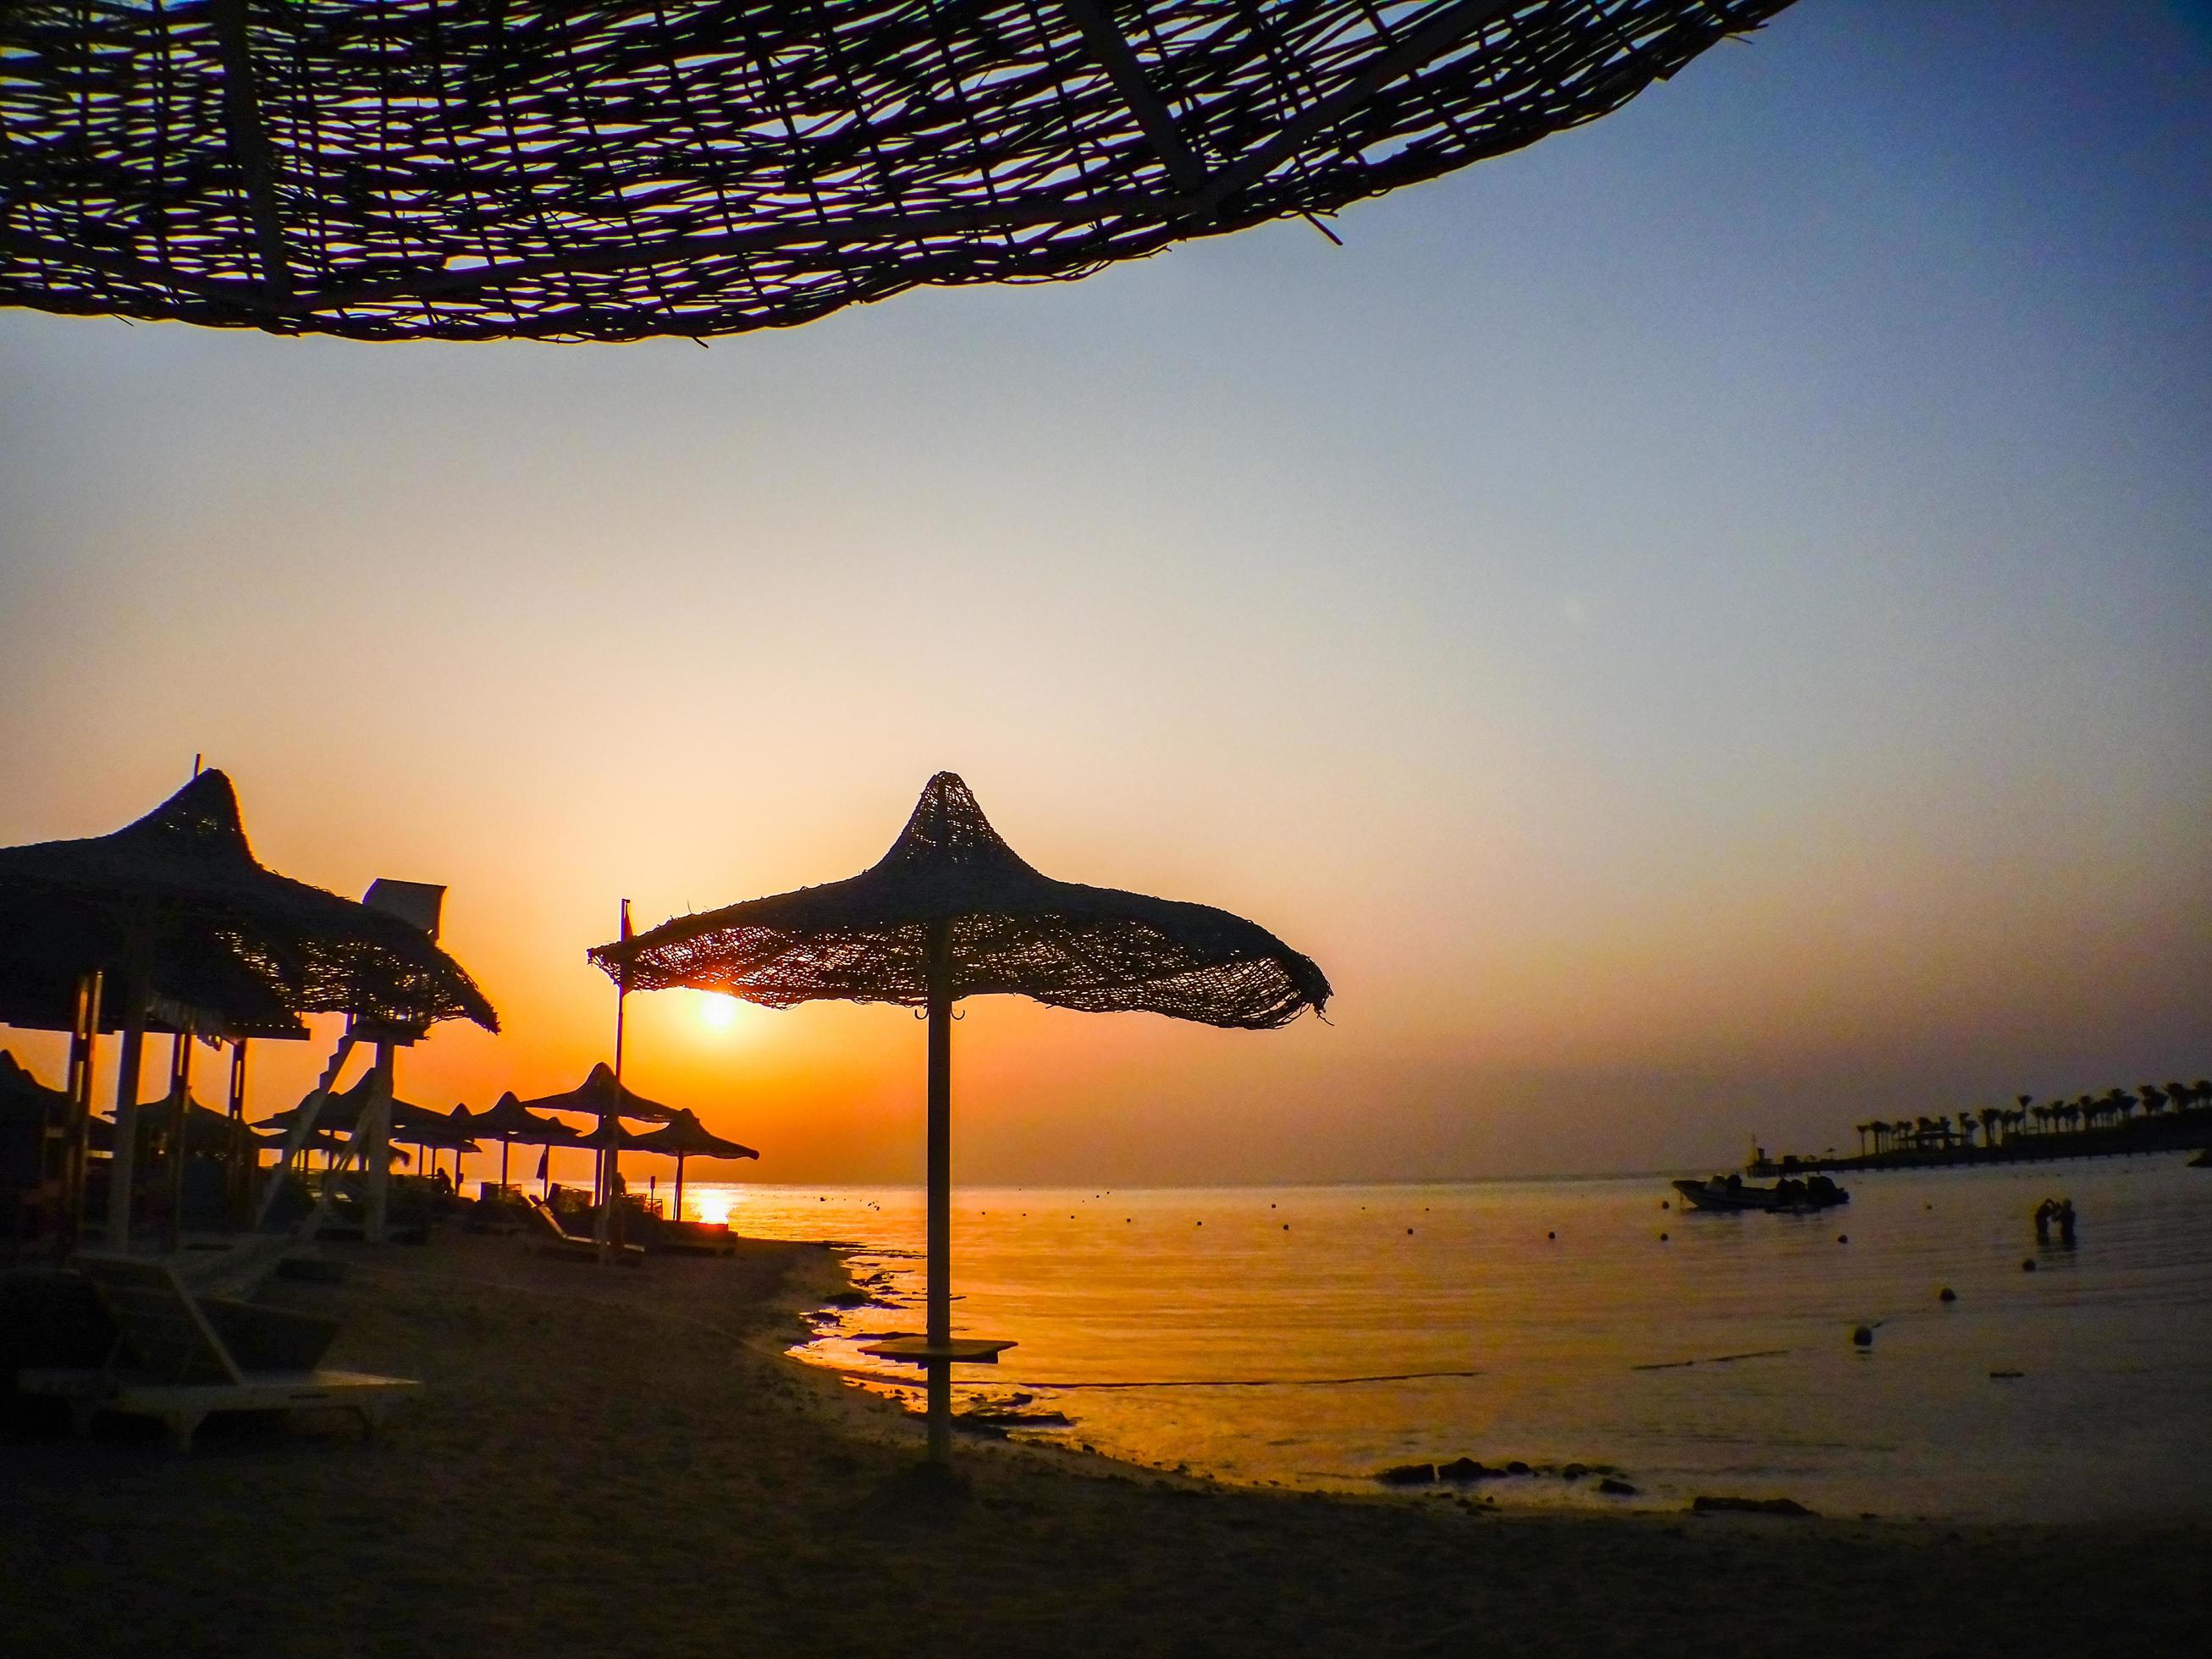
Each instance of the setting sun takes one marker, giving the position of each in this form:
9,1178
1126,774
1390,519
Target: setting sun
717,1013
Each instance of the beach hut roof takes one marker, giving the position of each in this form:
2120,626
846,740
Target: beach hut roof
470,169
602,1096
181,888
1012,930
688,1138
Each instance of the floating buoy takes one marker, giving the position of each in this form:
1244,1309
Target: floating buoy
1863,1337
1843,1238
1551,1235
1664,1204
1409,1232
1286,1226
2028,1266
1662,1238
1947,1294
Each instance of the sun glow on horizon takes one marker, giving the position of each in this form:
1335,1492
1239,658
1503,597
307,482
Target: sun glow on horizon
716,1011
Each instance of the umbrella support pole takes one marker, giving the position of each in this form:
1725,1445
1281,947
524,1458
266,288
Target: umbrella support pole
180,1084
122,1167
239,1170
84,1039
939,1370
376,1119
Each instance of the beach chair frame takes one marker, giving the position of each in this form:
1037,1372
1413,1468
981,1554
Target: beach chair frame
184,1372
556,1240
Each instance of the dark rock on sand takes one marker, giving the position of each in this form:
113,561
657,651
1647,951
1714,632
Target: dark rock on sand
1863,1337
1516,1467
1408,1474
1573,1472
1705,1505
1612,1486
1465,1470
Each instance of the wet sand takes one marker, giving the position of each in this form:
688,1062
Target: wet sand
610,1461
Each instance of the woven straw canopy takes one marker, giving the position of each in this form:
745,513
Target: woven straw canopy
603,1096
181,892
342,1109
474,169
688,1138
507,1119
1012,930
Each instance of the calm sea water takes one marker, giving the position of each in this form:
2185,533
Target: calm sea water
1222,1328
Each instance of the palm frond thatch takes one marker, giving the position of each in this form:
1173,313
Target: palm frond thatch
603,1096
180,889
1012,930
472,169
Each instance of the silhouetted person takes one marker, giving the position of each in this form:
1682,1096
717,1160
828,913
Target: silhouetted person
2065,1218
2043,1214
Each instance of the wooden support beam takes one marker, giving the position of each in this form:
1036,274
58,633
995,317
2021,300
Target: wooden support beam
1112,50
249,145
84,1043
1444,32
123,1160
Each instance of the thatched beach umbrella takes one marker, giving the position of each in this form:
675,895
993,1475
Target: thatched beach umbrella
182,886
608,1098
472,169
952,912
175,905
688,1138
508,1122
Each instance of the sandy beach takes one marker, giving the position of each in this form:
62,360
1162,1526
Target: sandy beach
608,1462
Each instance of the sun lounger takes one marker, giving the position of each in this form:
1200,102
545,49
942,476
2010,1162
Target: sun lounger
184,1371
554,1239
691,1238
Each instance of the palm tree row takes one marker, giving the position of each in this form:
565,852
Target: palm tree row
1997,1125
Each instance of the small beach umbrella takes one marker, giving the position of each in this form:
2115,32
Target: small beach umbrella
604,1097
508,1122
948,912
688,1138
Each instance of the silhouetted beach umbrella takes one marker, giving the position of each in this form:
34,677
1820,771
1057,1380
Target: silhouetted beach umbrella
688,1138
472,169
179,893
605,1097
209,1131
599,1095
175,906
948,912
508,1122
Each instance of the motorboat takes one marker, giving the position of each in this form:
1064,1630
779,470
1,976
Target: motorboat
1788,1196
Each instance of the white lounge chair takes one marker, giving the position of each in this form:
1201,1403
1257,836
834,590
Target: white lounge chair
556,1240
184,1372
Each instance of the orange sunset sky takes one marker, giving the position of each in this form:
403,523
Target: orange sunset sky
1701,628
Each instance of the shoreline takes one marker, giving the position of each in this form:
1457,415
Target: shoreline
629,1462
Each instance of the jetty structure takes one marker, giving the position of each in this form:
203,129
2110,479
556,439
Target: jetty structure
475,170
2153,1117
